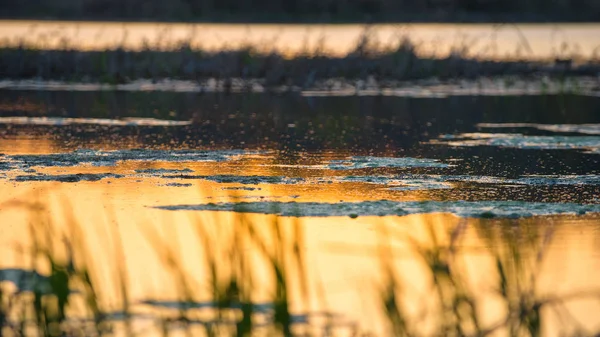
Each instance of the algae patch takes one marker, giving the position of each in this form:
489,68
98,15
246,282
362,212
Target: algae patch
475,209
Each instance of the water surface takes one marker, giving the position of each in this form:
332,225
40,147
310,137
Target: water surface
149,171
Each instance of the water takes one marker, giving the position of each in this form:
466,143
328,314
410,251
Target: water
482,40
145,173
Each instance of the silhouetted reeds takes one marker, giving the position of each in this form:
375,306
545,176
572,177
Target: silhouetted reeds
369,60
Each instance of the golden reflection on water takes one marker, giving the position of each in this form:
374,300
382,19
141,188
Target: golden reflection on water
485,40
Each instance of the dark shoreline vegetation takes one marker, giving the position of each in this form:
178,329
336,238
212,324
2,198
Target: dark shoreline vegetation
367,61
307,11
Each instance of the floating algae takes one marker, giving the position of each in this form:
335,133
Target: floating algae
591,144
68,178
245,180
110,158
240,188
407,182
62,121
430,181
178,184
361,162
590,129
486,209
163,171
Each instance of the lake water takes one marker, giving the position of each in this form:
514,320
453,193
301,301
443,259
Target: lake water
150,184
527,41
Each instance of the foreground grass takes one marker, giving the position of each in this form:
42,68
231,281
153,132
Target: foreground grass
68,299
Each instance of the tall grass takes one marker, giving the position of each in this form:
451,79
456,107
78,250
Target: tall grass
58,291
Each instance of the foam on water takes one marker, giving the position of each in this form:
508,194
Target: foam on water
484,209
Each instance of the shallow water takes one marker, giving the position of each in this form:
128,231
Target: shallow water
484,40
356,173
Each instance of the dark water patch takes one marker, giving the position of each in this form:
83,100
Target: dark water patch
476,209
246,180
67,178
358,123
361,162
110,158
590,144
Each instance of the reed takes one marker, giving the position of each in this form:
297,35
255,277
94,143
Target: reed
60,292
